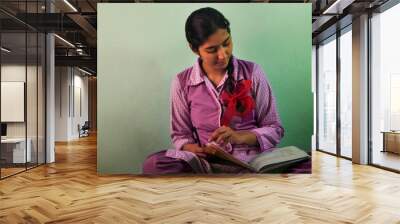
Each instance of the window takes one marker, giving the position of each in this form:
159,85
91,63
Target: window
385,85
327,95
346,74
22,66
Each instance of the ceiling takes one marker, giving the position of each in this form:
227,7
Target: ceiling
76,22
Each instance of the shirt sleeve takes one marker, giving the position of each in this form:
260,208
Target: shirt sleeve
270,130
181,126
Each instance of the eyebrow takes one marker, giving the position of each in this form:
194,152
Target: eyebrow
210,47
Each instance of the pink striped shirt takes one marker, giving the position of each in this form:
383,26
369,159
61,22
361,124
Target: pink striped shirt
196,105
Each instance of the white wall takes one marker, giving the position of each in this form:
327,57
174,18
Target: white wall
71,94
62,80
79,112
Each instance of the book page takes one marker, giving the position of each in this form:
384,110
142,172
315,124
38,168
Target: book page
221,153
278,157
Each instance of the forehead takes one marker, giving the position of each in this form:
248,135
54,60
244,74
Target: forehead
216,38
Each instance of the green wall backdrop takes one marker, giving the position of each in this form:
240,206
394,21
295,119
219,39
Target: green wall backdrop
141,47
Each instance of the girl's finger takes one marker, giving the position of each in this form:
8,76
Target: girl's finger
227,140
210,150
221,138
217,133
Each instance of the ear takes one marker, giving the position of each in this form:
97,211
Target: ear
194,50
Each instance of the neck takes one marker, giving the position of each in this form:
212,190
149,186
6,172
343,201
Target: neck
215,76
213,72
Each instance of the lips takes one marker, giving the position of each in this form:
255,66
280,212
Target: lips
221,63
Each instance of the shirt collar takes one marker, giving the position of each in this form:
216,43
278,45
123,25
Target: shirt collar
197,75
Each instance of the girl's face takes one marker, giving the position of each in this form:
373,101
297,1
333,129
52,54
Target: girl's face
217,50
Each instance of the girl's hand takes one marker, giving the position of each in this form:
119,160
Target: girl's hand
200,151
210,149
224,135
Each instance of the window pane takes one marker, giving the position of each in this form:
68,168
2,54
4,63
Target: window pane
41,98
327,96
386,88
14,152
346,93
31,101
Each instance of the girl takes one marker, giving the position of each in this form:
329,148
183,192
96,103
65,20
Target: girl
220,100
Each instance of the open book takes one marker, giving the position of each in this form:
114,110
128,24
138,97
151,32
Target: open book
269,161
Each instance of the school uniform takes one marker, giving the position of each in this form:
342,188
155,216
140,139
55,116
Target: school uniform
197,106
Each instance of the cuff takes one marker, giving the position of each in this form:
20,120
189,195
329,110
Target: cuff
179,143
267,137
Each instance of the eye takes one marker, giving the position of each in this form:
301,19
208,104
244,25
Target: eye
212,50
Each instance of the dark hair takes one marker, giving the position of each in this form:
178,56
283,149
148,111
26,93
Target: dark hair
200,25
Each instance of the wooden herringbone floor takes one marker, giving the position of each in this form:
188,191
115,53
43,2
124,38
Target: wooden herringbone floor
70,191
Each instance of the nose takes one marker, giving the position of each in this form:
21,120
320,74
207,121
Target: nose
221,53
